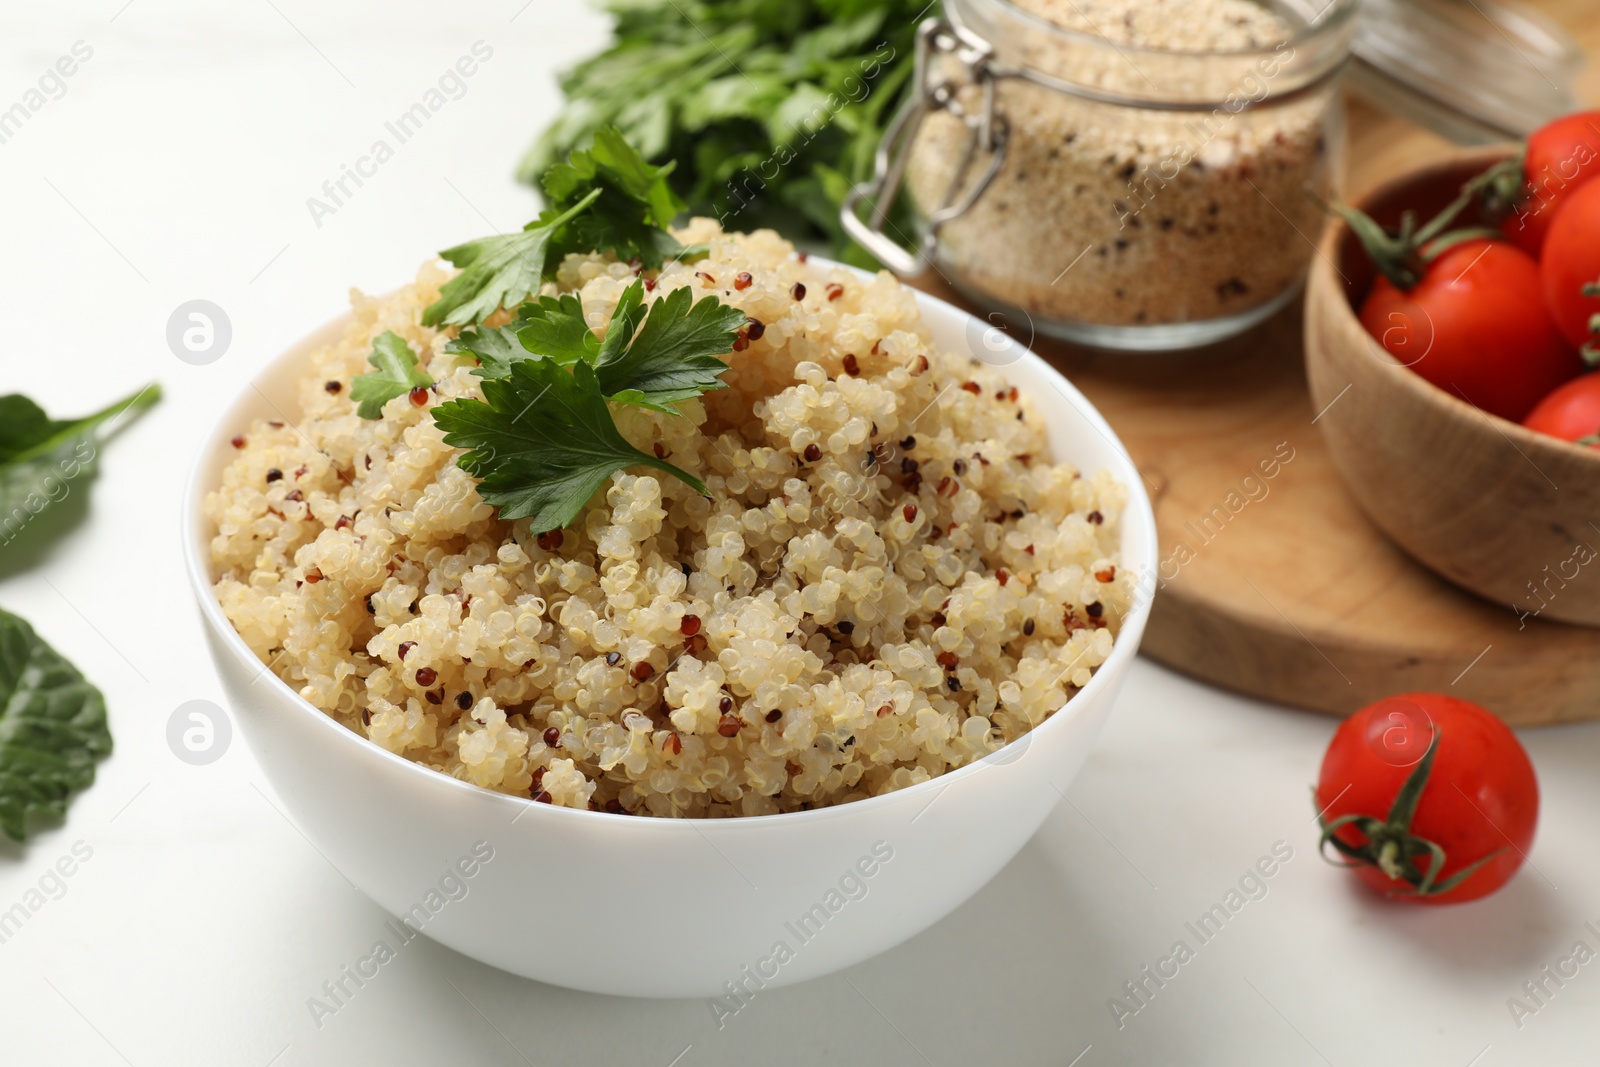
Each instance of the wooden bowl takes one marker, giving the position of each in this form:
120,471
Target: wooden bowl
1509,514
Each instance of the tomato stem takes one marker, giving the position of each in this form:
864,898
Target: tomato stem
1401,256
1500,189
1439,246
1390,845
1590,351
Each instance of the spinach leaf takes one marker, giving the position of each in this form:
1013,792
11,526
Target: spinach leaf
52,727
41,456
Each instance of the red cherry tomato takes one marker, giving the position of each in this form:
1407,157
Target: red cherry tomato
1571,413
1477,803
1572,261
1560,158
1475,326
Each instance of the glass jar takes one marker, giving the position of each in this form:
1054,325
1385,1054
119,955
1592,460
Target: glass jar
1119,196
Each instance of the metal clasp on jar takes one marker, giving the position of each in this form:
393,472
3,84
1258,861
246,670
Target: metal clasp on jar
987,130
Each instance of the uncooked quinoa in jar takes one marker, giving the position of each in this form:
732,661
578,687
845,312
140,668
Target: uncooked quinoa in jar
1162,168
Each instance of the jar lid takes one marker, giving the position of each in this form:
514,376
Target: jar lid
1475,72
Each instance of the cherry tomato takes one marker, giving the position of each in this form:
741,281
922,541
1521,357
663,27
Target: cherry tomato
1560,158
1465,790
1571,413
1572,261
1475,326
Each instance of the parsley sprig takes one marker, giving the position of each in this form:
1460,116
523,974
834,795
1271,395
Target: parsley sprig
500,270
652,356
542,439
605,198
394,373
673,356
634,208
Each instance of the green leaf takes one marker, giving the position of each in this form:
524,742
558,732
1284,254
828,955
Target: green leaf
730,97
555,327
671,358
674,354
843,36
26,431
52,727
542,442
730,87
494,347
613,165
40,456
625,319
500,271
805,109
23,425
396,372
634,203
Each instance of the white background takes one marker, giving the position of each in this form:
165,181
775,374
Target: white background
177,166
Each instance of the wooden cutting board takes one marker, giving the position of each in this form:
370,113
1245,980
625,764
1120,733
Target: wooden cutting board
1279,587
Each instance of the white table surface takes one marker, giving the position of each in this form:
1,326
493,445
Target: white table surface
177,166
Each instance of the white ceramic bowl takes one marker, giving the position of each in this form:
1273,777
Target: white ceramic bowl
656,907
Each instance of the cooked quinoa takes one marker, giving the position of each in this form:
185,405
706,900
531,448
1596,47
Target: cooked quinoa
889,580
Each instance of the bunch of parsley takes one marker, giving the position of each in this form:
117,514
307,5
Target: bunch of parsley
542,440
772,107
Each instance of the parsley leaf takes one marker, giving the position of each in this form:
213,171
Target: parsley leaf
635,205
397,372
39,455
494,347
551,327
673,356
542,442
52,727
502,270
605,198
625,319
555,327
